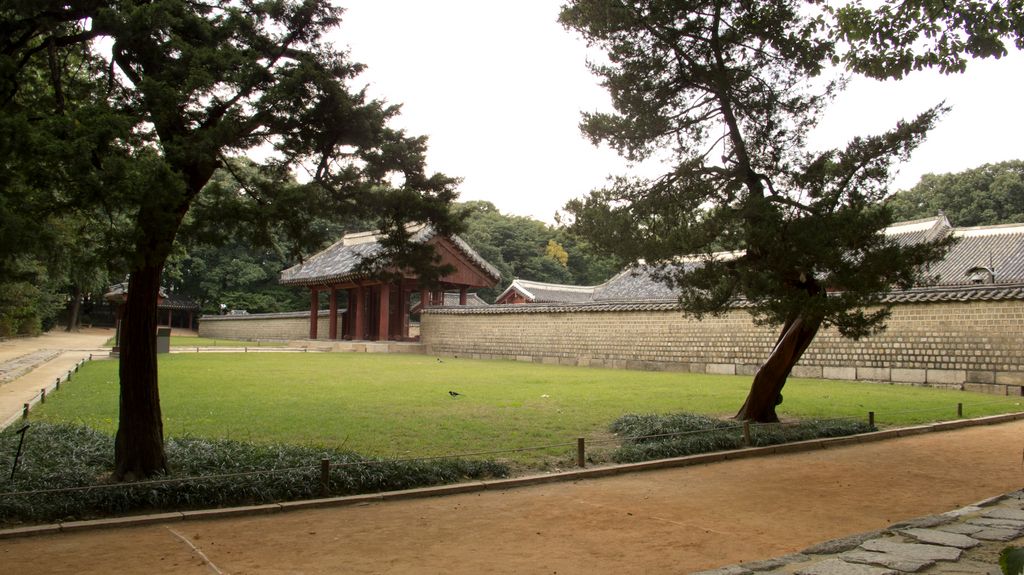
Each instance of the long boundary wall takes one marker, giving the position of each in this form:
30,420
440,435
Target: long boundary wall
264,326
287,326
975,345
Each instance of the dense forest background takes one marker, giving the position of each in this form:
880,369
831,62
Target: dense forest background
75,257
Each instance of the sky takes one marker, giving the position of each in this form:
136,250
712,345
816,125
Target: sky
498,88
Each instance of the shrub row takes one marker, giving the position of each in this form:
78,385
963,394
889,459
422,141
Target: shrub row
646,437
63,456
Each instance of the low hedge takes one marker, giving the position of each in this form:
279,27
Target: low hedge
212,473
647,436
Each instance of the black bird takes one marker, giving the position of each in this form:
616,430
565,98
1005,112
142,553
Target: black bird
454,393
439,360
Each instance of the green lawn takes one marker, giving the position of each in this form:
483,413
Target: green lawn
398,405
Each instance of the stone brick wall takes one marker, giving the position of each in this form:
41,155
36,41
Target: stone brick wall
972,345
264,326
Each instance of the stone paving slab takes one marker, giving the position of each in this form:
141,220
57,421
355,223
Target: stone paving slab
997,534
1005,513
936,537
1002,523
837,566
962,528
886,560
918,551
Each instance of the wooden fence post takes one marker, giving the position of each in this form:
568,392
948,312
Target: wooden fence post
581,452
325,477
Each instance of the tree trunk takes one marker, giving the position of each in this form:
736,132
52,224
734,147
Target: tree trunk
766,391
139,445
74,320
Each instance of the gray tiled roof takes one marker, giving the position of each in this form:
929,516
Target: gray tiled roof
339,262
919,231
1000,248
176,301
637,283
540,292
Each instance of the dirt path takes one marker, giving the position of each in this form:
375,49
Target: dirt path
670,521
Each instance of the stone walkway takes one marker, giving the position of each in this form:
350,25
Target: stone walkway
19,366
30,364
966,541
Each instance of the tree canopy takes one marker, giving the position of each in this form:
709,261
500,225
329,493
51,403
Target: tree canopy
890,39
729,91
130,107
986,195
522,247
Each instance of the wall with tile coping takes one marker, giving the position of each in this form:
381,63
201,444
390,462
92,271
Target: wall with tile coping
964,345
264,326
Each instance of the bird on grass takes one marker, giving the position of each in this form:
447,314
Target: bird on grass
454,394
439,360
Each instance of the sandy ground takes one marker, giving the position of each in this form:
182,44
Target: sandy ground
669,521
74,347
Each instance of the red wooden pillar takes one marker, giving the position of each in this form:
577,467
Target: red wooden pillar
405,313
384,317
332,323
462,295
356,308
190,324
169,312
346,319
424,299
314,311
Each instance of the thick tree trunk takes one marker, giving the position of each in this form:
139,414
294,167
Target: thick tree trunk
766,391
139,446
74,319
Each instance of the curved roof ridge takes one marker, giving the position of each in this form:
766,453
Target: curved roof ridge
994,229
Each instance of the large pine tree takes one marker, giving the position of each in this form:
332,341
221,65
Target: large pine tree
179,88
728,92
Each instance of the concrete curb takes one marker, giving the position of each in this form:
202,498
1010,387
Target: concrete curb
501,484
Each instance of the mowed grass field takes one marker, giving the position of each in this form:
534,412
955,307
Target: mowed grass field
399,405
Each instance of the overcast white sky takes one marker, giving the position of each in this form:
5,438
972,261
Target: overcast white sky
498,88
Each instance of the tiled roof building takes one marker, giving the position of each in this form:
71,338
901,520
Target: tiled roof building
378,309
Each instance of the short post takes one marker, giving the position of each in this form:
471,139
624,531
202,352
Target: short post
325,477
90,357
871,419
57,385
69,375
959,410
24,411
42,395
581,452
746,434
